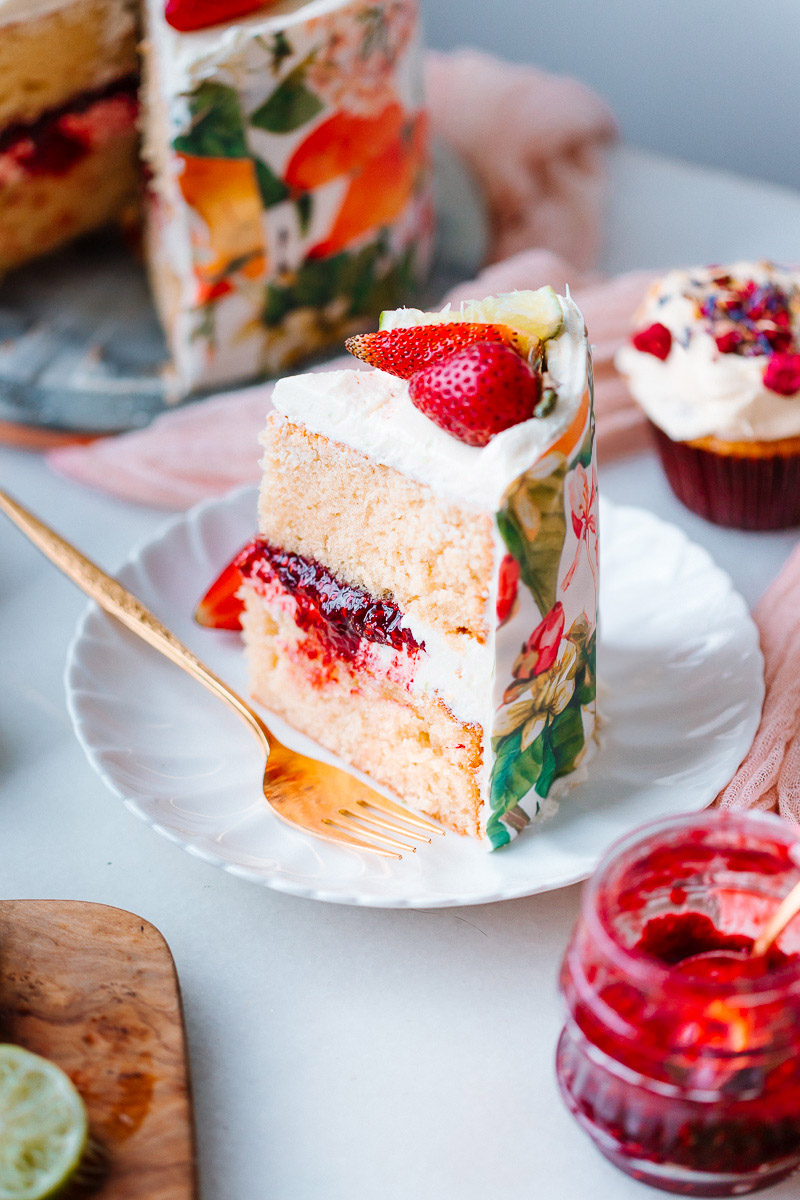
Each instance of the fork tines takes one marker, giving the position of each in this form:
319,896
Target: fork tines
371,820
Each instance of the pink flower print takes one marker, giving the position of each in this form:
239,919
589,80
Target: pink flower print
582,492
539,653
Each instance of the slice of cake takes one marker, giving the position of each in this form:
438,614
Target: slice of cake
422,595
289,178
68,107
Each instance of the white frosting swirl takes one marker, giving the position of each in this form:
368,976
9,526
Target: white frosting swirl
697,391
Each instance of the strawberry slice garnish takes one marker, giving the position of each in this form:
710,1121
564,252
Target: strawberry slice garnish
185,15
477,392
221,607
403,352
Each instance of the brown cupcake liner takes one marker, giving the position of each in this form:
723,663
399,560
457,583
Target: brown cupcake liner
737,490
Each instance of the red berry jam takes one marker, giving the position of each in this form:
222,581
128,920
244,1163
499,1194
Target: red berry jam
341,614
58,140
681,1056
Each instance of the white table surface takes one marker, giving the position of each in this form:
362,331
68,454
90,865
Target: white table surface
341,1053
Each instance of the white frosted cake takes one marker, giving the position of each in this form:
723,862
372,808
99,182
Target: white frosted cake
289,193
422,594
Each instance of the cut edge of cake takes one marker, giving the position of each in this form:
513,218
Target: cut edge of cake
68,109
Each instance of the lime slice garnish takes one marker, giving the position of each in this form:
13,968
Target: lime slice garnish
535,316
43,1126
407,318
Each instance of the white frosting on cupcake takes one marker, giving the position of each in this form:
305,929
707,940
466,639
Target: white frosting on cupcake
699,391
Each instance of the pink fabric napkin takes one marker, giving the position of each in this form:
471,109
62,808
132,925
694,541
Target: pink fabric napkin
535,143
769,778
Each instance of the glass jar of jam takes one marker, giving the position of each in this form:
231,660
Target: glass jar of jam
683,1065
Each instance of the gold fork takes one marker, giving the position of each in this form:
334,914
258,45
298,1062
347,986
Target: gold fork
308,794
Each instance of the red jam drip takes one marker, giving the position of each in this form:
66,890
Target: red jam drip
341,614
48,146
748,318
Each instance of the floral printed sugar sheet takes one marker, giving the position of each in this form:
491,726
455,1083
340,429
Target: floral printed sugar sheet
546,682
296,204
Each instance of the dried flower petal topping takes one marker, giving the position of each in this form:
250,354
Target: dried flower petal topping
747,318
728,342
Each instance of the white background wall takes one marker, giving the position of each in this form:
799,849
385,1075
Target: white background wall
713,81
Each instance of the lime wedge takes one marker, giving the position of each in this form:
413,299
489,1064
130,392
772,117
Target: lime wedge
535,316
406,318
43,1126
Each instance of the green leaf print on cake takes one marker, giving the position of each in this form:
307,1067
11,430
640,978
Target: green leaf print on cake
304,206
538,732
358,284
272,188
534,527
290,106
216,127
584,458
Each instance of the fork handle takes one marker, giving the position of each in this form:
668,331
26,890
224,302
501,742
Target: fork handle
116,600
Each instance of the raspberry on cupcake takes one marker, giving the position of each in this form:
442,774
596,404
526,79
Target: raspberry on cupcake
714,360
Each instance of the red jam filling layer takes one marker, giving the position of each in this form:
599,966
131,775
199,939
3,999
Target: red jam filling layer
339,613
60,138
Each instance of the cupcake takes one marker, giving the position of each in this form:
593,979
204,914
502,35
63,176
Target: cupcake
714,361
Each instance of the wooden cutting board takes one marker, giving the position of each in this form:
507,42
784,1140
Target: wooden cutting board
94,988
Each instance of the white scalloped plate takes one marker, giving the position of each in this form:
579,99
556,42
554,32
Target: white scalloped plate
682,688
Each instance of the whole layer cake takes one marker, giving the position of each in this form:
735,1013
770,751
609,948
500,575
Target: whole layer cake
287,166
68,157
422,595
288,199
